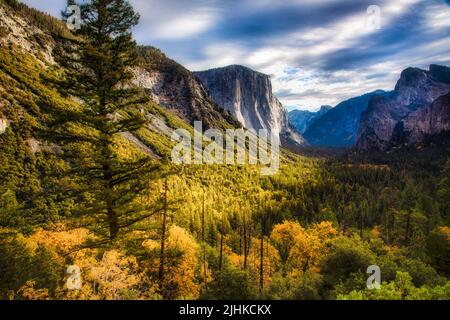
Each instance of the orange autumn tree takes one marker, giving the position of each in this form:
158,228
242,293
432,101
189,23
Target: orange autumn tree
106,274
302,249
283,236
181,267
271,260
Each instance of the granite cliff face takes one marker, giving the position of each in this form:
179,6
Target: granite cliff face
430,120
412,111
339,126
301,120
248,96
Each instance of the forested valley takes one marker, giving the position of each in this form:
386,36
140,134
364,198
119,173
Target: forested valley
74,191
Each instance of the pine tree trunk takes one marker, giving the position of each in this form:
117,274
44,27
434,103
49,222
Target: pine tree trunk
261,269
113,220
113,224
240,241
245,243
221,251
163,238
204,244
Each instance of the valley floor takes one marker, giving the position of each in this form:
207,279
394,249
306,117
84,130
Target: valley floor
309,232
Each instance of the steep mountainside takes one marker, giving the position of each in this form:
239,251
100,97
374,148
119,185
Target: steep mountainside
301,120
29,73
339,126
175,88
427,121
26,41
409,113
248,96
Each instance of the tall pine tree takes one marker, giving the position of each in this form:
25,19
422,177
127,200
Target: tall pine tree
110,187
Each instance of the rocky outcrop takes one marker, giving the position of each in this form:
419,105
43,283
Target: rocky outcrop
175,88
390,120
417,126
248,96
19,29
301,120
339,126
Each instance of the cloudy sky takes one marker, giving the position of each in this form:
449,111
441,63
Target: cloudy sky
317,51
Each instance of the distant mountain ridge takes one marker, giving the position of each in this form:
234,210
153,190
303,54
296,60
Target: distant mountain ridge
248,96
301,120
418,107
237,96
339,126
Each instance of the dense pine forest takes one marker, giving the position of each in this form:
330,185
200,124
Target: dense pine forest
74,191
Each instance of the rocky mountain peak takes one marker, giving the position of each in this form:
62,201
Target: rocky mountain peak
384,123
411,77
247,95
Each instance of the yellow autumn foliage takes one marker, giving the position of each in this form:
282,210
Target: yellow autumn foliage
114,275
183,273
28,292
283,236
181,263
271,262
303,249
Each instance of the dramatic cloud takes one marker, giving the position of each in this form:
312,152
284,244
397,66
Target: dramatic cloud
317,51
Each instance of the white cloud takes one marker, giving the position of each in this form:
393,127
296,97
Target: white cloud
182,26
438,17
310,88
218,55
174,20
